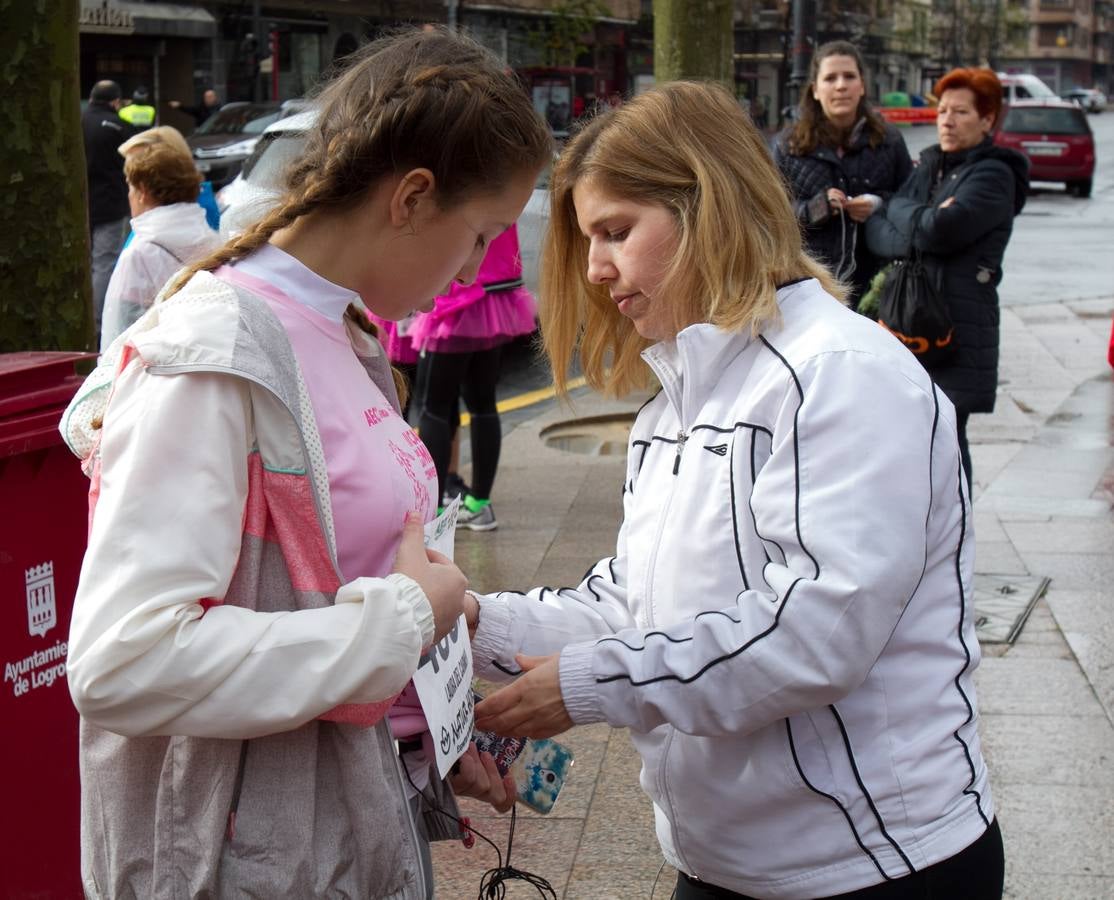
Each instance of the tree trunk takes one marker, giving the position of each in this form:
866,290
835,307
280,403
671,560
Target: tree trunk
694,39
45,288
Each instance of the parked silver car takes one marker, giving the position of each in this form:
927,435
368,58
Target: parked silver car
1092,100
259,185
227,138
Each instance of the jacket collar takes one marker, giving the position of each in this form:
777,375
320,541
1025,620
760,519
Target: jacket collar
690,366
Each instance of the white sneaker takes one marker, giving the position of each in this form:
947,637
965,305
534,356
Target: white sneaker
484,520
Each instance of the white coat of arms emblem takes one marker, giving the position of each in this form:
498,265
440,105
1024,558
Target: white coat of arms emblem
42,611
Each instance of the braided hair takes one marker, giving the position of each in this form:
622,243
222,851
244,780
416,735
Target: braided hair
417,99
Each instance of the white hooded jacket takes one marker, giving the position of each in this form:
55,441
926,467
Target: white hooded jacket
786,627
165,239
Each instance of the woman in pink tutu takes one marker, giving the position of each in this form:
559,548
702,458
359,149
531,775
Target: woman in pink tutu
460,342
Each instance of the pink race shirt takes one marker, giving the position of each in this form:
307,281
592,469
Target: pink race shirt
379,470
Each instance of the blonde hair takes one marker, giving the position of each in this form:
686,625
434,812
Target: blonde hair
690,148
160,134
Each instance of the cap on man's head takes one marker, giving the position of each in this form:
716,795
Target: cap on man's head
104,92
140,95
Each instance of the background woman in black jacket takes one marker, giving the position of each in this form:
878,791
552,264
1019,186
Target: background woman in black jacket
841,160
957,209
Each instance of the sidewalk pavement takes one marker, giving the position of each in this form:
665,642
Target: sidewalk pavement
1044,473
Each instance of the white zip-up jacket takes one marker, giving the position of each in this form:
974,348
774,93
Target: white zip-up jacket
165,239
786,626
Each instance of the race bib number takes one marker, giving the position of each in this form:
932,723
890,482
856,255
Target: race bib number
444,685
444,676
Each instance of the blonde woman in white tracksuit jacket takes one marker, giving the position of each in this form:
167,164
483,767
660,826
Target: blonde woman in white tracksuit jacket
786,624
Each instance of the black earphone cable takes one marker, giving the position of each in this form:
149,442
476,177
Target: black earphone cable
493,883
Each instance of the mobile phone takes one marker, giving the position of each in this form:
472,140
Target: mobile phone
818,208
539,767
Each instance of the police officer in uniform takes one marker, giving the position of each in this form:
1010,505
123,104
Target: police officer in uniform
139,113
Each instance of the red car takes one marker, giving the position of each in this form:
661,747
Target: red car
1056,137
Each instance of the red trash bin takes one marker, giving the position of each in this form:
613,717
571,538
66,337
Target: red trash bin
43,526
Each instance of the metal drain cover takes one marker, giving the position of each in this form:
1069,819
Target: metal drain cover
1003,603
591,435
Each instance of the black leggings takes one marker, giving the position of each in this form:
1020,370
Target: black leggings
444,378
973,874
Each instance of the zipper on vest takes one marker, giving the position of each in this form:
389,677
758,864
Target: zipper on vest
681,438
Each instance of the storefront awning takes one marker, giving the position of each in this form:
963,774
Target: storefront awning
156,19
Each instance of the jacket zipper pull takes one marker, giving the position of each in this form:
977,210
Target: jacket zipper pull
681,438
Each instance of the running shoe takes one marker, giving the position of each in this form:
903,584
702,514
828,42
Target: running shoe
454,487
483,520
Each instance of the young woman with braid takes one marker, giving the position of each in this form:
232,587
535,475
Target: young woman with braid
256,591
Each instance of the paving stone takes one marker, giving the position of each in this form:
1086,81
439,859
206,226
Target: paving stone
1074,571
545,847
1056,829
1035,886
619,854
1062,535
1035,687
988,527
998,558
1048,750
1024,507
1088,626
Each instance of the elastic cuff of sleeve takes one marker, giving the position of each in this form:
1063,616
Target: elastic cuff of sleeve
491,631
578,684
412,594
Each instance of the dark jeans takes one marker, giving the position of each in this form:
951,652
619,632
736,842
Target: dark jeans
973,874
445,377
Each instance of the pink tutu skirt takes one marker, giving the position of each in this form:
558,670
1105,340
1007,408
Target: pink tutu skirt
400,348
488,322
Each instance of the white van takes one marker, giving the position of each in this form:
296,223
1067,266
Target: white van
1023,86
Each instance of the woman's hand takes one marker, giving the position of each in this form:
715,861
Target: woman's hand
947,202
476,775
441,581
862,207
471,613
837,200
530,707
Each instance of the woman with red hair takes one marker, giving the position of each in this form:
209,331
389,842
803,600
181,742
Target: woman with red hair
956,210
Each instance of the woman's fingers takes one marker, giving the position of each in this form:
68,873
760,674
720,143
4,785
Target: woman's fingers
411,554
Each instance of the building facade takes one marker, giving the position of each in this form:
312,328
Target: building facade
570,53
1066,43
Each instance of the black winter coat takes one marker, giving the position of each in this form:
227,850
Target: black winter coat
838,240
962,248
104,131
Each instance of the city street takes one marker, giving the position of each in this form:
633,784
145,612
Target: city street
1060,249
1044,489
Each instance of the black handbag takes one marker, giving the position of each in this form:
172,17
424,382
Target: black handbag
912,310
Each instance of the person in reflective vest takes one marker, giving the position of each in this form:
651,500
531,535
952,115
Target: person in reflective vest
139,113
